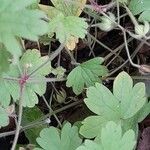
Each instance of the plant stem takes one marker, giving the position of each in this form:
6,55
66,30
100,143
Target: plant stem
127,51
19,117
41,120
134,21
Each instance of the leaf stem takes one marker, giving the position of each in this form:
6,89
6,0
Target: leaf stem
19,117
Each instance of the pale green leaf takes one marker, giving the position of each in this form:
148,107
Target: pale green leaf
53,139
18,21
124,106
112,138
36,84
65,27
86,74
32,60
102,102
132,98
70,7
140,6
92,125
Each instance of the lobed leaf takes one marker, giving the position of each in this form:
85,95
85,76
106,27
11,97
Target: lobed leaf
86,74
53,139
111,138
36,84
125,105
18,21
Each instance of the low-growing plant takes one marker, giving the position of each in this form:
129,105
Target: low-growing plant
25,73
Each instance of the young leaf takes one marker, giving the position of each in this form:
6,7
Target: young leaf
123,106
52,139
18,21
68,26
36,84
140,6
70,8
64,21
86,74
112,139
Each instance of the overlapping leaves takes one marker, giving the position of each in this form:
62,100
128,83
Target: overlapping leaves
141,6
53,139
86,74
16,21
124,105
111,138
9,82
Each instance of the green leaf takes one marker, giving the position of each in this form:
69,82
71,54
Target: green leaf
86,74
123,106
67,26
27,118
132,98
36,83
92,125
4,119
32,59
70,8
140,6
18,21
112,139
52,139
4,57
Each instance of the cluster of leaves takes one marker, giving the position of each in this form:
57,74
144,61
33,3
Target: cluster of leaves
126,105
10,81
111,137
114,126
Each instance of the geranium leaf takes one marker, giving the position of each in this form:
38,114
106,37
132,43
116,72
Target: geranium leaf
53,139
125,105
86,74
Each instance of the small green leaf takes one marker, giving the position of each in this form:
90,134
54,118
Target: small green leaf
112,139
70,8
65,27
86,74
52,139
